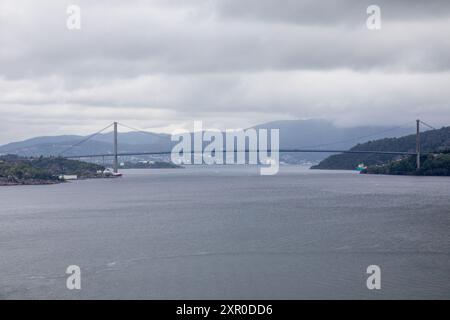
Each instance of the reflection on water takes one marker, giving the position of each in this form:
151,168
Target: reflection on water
227,232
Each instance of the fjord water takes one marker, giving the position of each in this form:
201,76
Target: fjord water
227,233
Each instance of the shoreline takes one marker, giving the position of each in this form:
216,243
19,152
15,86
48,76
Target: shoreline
33,182
29,183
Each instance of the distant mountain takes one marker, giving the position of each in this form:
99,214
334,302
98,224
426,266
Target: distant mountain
136,138
321,134
317,134
100,144
431,141
15,147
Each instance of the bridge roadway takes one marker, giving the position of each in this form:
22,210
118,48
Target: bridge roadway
236,151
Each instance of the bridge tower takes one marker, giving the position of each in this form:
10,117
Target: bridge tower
418,144
116,165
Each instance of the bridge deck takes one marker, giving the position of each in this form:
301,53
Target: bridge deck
280,151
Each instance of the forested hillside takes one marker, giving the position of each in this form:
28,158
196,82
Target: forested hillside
19,170
431,141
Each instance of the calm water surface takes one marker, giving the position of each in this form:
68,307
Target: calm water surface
227,233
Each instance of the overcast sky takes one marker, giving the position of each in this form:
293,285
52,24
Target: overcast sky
160,65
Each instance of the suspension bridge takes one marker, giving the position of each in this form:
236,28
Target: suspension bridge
116,154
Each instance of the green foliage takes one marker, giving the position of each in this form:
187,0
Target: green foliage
19,169
432,165
23,171
60,166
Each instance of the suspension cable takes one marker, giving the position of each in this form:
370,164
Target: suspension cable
426,124
84,140
136,129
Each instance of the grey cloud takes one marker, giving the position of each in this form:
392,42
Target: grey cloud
167,62
132,41
329,12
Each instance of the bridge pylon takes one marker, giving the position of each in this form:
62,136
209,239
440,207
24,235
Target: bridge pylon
116,164
418,144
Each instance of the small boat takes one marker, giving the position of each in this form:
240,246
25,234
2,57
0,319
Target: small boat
110,172
361,167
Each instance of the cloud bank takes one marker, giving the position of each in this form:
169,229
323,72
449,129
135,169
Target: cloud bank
162,64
